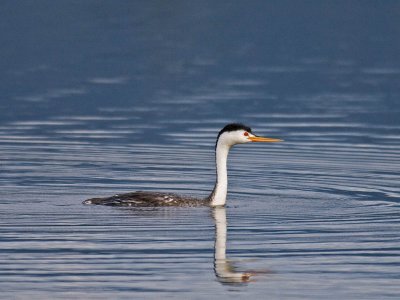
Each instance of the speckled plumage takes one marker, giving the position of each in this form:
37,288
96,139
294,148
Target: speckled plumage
147,199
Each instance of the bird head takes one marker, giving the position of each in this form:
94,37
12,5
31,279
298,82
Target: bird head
234,133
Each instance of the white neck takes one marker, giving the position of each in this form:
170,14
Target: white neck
218,195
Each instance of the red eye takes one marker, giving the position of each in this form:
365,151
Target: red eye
246,134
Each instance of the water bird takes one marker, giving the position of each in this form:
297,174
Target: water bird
229,136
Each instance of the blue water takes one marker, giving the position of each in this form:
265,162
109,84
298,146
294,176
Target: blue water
105,97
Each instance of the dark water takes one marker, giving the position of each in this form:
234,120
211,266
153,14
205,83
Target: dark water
104,97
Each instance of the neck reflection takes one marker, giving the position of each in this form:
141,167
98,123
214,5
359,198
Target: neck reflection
223,268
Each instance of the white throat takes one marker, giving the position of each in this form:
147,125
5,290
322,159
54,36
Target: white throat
218,195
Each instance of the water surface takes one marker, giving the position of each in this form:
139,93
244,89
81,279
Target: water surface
101,98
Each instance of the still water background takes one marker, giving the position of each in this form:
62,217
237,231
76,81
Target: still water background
104,97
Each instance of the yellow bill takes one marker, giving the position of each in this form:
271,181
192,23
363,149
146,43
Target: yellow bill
261,139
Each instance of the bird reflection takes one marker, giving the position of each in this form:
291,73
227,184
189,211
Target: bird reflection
224,269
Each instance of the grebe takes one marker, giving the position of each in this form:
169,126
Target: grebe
230,135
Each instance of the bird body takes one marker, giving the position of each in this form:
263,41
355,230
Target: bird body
148,199
229,136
